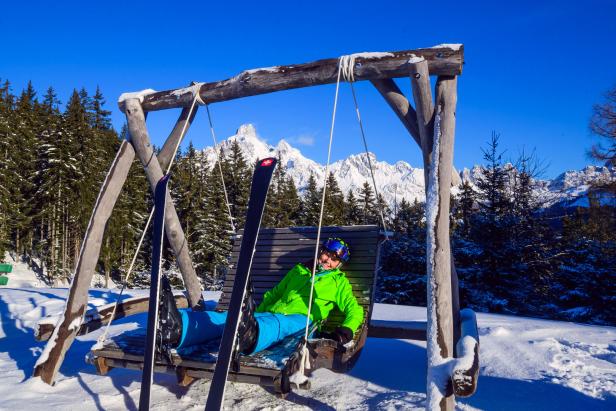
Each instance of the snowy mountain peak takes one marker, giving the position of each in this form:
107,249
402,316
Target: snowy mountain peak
394,181
247,132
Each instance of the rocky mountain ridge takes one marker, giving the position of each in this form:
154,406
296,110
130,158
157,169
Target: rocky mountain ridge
394,181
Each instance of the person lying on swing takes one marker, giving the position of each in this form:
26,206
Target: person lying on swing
282,312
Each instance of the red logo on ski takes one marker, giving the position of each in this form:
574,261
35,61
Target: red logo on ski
267,162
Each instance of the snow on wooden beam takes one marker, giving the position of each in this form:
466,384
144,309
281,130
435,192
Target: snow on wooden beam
97,317
442,60
466,367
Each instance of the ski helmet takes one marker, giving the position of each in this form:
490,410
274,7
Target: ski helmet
338,247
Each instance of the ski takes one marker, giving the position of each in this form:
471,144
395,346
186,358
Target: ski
258,193
158,232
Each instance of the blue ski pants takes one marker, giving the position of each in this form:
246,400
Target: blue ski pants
199,327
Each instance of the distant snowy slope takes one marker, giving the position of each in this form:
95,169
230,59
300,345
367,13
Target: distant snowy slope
526,364
394,181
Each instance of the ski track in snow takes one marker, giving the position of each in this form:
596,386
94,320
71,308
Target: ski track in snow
525,364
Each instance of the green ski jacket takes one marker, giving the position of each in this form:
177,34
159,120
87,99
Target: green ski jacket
331,288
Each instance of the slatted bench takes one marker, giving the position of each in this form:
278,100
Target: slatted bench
276,252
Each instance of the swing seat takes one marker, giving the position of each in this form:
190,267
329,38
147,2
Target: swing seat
276,252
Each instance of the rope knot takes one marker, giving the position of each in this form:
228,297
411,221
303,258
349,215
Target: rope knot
195,88
347,67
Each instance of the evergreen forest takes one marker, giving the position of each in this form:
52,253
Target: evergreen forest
511,255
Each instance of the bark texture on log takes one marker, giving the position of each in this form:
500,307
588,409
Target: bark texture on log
63,335
442,60
420,81
175,234
441,269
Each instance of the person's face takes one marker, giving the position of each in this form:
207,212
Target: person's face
328,260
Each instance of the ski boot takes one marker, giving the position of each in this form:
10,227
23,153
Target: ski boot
248,329
169,321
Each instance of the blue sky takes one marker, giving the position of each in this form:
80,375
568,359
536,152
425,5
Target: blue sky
533,69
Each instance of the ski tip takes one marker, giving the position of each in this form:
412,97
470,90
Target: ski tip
164,178
267,162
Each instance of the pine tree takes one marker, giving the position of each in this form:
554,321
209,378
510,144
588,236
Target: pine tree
492,228
186,188
466,202
383,212
352,209
26,128
311,203
100,117
333,212
212,235
127,222
409,220
57,168
7,164
283,204
367,203
291,198
237,175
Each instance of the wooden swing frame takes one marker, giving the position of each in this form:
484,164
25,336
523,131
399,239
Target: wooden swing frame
443,61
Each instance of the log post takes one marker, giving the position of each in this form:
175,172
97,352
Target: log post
440,320
175,234
422,95
64,333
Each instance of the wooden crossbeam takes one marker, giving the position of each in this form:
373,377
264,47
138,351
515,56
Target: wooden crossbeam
442,60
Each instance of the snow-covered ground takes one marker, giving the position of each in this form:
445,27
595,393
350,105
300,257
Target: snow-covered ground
526,364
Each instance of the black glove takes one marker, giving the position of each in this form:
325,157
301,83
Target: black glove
342,334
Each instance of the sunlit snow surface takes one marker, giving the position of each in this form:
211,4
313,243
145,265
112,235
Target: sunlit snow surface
526,364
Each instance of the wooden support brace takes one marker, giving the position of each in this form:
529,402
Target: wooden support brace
64,333
400,105
405,112
175,234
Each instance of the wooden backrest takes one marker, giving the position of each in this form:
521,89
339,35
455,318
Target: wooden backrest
279,249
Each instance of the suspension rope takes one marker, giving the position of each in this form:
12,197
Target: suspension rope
196,98
299,376
363,136
346,67
347,64
222,177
